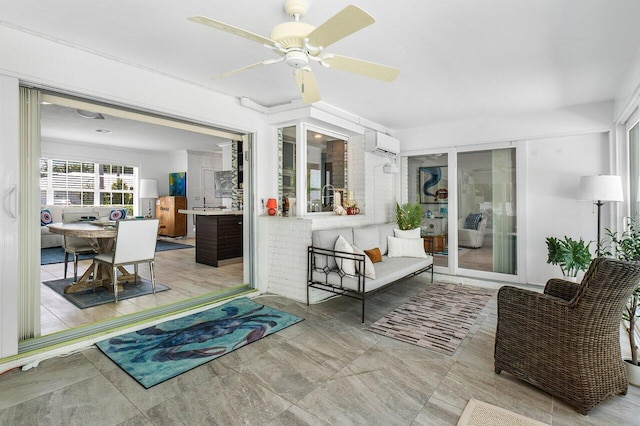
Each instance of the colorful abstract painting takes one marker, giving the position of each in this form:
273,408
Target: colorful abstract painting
433,185
178,184
166,350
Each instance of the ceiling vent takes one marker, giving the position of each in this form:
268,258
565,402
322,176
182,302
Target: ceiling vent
381,144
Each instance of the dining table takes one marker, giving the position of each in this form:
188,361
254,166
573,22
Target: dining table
101,236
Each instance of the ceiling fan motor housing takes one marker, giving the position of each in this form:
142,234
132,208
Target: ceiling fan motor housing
296,59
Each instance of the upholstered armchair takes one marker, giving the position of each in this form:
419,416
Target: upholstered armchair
470,236
567,340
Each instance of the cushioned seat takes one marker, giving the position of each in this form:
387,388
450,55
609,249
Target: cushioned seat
471,232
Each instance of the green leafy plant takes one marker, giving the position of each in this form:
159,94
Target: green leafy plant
626,246
409,216
572,256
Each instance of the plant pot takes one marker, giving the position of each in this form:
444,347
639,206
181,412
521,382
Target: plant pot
572,279
633,372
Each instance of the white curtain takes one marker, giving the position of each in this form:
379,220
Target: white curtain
29,211
634,170
504,210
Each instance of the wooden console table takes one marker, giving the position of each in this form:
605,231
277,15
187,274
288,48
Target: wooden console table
437,243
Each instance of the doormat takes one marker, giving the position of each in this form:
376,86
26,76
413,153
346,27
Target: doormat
160,352
88,298
56,254
438,318
478,413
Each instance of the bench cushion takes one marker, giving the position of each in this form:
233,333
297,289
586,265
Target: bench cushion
387,271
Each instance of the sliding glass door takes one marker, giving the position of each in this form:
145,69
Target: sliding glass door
487,226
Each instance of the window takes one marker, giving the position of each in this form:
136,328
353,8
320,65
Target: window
326,171
78,183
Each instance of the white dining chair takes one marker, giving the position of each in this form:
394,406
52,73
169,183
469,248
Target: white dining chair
135,243
74,245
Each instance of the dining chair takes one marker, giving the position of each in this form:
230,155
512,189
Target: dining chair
74,245
135,243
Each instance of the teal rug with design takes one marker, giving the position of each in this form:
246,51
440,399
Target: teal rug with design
161,352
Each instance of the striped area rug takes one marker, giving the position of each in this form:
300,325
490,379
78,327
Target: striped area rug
437,318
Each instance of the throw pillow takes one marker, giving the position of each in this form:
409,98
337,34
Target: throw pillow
45,217
406,247
117,214
369,271
472,221
374,254
409,233
348,266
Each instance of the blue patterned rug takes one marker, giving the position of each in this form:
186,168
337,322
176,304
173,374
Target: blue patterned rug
164,351
56,254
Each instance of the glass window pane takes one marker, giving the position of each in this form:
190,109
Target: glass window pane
428,184
326,171
487,210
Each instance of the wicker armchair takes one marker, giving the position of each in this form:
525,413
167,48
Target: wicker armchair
566,341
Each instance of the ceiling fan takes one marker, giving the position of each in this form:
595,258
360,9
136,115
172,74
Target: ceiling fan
298,44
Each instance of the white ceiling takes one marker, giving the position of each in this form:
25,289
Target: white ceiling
459,59
62,124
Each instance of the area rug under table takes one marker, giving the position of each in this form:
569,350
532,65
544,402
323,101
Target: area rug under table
158,353
101,296
437,318
478,413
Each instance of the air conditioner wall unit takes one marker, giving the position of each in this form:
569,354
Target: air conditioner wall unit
381,144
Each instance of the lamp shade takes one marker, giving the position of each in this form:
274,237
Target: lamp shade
148,188
600,188
272,205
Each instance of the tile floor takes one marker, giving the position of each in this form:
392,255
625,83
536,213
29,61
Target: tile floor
326,370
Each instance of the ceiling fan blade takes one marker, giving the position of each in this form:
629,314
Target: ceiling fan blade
231,29
346,22
358,66
307,85
237,71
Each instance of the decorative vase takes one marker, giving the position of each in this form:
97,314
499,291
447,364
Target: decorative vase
633,372
353,210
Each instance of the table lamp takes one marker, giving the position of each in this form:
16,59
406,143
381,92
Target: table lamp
598,189
272,206
148,190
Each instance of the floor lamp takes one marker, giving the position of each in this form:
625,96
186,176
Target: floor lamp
148,190
598,189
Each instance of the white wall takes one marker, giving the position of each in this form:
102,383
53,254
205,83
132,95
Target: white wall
554,167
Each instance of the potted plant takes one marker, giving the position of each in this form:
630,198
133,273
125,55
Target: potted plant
572,256
409,216
626,246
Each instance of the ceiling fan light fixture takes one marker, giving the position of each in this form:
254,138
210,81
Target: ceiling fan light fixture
296,59
89,114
